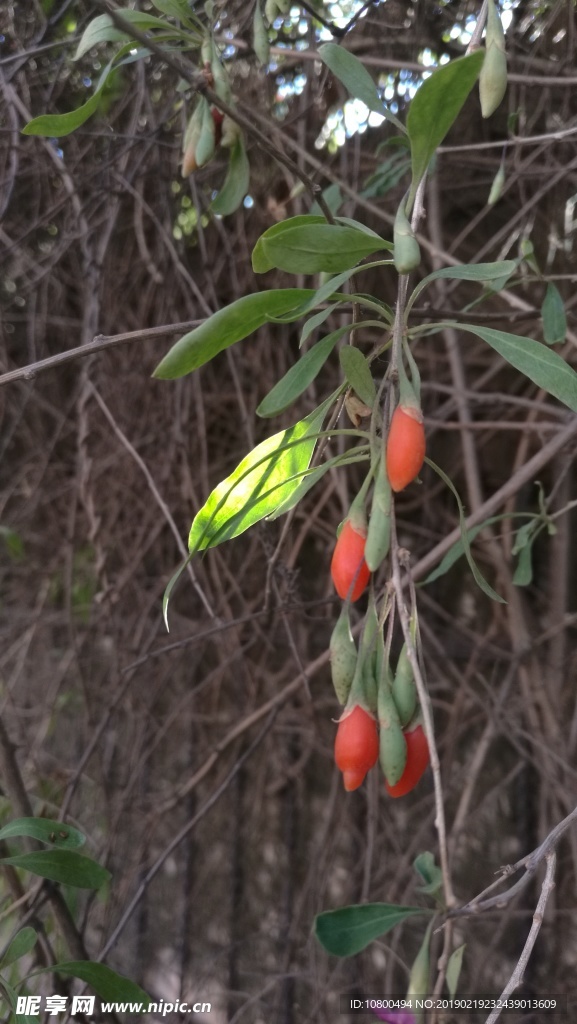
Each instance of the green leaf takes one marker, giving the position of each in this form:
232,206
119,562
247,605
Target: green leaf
58,125
62,866
435,107
227,326
103,30
456,551
107,984
347,931
356,370
56,833
311,477
429,871
261,263
540,364
315,321
333,197
467,272
21,944
236,183
356,79
524,572
174,8
477,574
309,248
454,969
264,479
553,314
298,378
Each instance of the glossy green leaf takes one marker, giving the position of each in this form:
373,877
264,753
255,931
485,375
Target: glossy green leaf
264,479
56,833
236,183
107,984
58,125
553,315
64,866
356,79
435,107
298,378
21,944
310,247
356,370
227,326
349,930
103,30
540,364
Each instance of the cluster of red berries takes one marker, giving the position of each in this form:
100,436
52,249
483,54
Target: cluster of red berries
400,742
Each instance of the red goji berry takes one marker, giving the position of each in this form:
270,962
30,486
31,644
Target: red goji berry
356,746
349,571
417,761
405,446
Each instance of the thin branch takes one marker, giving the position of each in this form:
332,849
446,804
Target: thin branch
98,344
516,978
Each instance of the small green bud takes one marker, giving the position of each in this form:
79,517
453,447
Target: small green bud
404,689
379,532
497,186
392,743
343,653
493,77
407,254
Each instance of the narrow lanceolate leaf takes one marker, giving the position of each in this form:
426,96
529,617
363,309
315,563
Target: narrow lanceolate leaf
553,314
435,108
454,969
311,249
260,483
21,944
236,182
298,378
540,364
356,370
477,574
496,273
56,833
347,931
311,477
62,866
356,79
58,125
227,326
103,30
